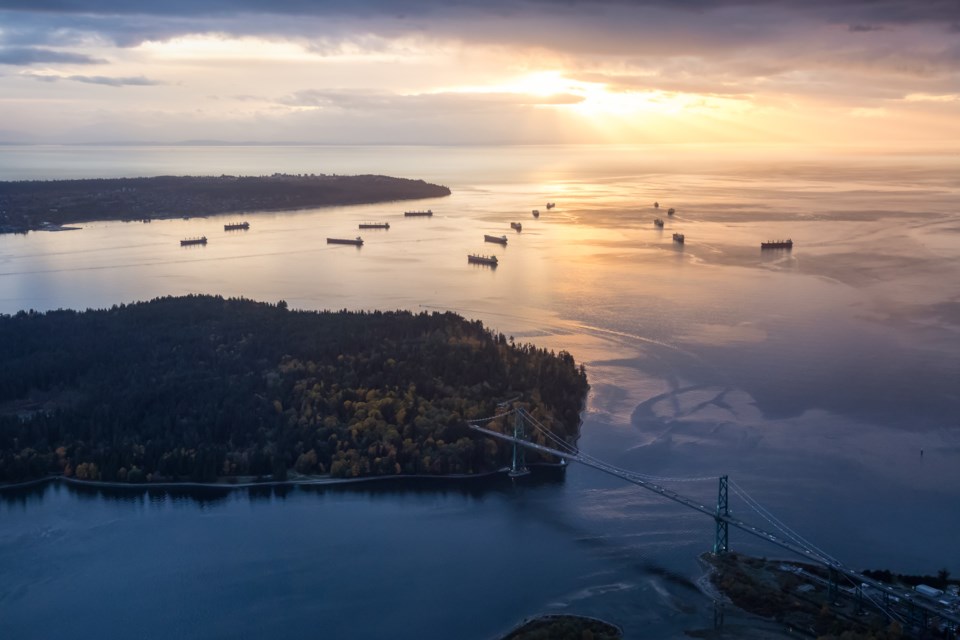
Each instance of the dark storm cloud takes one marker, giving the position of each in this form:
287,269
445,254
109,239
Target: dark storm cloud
878,10
24,56
129,22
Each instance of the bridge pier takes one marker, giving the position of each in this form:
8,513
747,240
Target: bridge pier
718,613
833,590
721,542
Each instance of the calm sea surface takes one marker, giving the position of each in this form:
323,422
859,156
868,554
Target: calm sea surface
814,378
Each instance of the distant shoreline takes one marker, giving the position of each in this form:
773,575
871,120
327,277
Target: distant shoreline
35,205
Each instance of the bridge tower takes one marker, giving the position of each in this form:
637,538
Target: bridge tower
721,541
519,465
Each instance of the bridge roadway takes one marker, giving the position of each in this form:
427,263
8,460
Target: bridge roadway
858,579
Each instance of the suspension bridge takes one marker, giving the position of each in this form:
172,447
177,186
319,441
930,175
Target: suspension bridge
918,609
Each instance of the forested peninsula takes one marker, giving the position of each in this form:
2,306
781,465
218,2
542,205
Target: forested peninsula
28,205
207,389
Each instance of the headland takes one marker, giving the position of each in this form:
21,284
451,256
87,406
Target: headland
30,205
203,389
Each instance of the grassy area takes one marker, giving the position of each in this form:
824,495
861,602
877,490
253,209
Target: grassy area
777,591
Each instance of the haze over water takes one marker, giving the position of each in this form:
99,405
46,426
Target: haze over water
814,378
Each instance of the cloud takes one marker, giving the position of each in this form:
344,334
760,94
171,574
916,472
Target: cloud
931,97
138,81
130,22
461,102
888,10
24,56
784,56
715,84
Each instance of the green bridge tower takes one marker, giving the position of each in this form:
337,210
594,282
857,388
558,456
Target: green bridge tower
721,541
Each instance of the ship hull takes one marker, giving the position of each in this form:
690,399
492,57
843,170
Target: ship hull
778,244
488,261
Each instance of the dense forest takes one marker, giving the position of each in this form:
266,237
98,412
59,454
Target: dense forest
203,388
30,204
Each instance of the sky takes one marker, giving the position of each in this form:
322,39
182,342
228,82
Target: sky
882,73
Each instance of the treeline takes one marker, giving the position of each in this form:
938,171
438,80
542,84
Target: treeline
199,387
27,204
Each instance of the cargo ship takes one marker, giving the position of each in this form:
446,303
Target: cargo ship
478,259
671,211
678,238
358,241
189,241
536,213
551,205
415,214
777,244
658,222
374,225
234,226
498,239
516,225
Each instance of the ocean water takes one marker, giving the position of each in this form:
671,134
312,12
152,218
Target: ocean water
814,378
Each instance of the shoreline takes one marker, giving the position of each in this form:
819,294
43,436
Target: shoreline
311,481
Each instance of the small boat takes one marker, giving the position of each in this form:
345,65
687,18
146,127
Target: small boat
188,241
777,244
234,226
551,205
358,241
671,211
516,225
658,222
498,239
678,238
414,214
478,259
536,213
656,205
374,225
